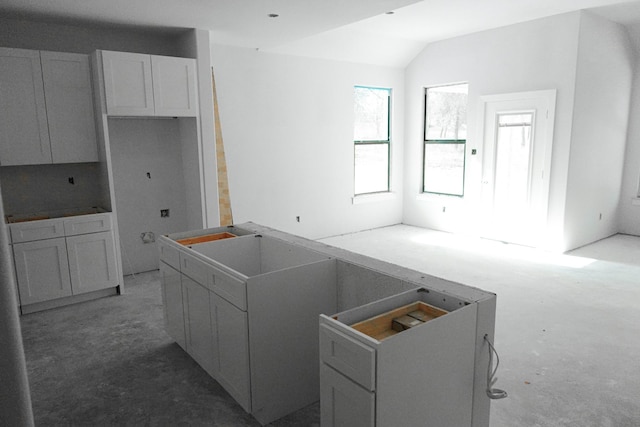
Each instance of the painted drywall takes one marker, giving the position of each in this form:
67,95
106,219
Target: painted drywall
287,125
46,188
629,209
29,34
147,168
531,56
600,116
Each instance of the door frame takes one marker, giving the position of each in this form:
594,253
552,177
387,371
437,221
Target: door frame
549,96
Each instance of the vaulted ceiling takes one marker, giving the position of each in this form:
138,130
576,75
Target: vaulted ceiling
354,30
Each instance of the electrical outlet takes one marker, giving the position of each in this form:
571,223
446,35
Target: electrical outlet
71,180
164,213
298,218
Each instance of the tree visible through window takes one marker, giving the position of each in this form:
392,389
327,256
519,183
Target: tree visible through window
445,138
371,139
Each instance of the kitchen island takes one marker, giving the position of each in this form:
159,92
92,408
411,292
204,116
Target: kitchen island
272,317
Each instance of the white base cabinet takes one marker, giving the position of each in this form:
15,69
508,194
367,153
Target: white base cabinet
42,270
276,347
63,257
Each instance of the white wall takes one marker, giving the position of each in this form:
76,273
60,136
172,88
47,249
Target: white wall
287,125
138,147
601,113
535,55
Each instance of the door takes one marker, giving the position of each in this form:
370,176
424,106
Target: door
343,403
42,270
72,127
24,135
127,84
172,303
233,350
92,262
174,86
199,333
518,136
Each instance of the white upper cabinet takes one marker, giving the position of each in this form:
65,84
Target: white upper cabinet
174,86
127,82
46,108
24,136
148,85
68,95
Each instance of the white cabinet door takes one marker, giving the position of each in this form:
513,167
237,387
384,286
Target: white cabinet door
42,270
172,304
343,403
199,333
24,136
92,262
174,86
233,350
69,99
127,83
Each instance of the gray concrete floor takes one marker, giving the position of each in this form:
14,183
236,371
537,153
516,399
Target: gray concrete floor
567,326
567,331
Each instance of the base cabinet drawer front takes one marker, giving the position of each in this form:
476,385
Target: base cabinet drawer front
36,230
343,403
169,254
348,356
92,262
42,270
87,224
199,333
172,303
233,349
229,288
194,268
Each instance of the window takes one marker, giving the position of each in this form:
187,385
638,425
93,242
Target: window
445,139
371,138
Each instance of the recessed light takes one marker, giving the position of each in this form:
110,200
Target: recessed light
273,15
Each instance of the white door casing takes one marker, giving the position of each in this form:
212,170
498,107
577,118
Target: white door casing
515,209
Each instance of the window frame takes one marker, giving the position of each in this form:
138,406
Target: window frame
426,142
363,142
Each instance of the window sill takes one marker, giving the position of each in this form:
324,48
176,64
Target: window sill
374,197
426,197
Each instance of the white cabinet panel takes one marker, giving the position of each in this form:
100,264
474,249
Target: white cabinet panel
92,262
174,86
147,85
128,85
233,348
42,270
172,303
198,329
24,135
69,100
344,403
36,230
87,224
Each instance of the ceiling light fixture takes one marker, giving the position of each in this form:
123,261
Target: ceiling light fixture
273,15
391,12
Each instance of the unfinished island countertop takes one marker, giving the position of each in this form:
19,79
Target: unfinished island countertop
260,310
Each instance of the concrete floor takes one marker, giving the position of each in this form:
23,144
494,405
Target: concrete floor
567,331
